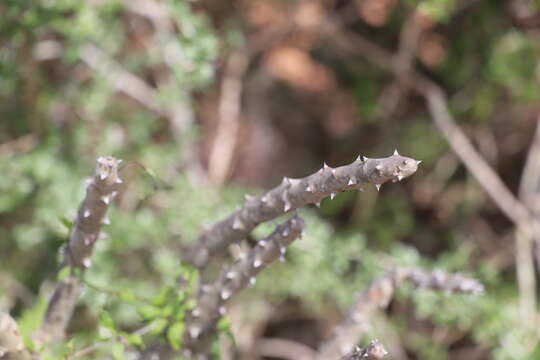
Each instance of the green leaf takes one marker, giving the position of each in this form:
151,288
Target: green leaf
30,321
63,273
149,312
127,295
158,326
118,351
107,321
175,334
135,340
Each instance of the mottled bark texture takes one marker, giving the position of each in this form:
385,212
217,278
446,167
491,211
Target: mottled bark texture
11,342
294,193
378,296
100,192
374,351
200,324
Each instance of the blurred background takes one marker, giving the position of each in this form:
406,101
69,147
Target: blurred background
206,101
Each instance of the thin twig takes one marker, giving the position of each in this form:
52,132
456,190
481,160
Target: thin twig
201,321
378,296
100,192
294,193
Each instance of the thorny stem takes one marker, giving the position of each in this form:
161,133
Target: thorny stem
213,298
378,296
102,188
11,342
294,193
374,351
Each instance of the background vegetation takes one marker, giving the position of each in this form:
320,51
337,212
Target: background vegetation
209,100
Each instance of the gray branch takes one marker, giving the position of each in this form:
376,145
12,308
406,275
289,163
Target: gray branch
11,343
100,192
294,193
378,296
374,351
213,298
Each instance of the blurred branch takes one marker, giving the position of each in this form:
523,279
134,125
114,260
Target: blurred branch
11,343
124,81
374,351
210,308
284,349
229,112
378,296
100,192
294,193
528,233
17,146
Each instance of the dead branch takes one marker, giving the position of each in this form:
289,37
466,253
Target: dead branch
11,343
378,296
294,193
212,300
100,192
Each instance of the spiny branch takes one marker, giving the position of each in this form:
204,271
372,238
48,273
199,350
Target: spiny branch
100,192
374,351
378,296
211,305
11,342
294,193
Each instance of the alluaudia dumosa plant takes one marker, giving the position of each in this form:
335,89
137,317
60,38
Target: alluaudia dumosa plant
294,193
101,189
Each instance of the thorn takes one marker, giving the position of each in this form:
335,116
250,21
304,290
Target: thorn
263,243
361,189
379,167
252,280
286,232
282,250
265,199
106,199
238,224
257,262
106,221
86,213
102,176
308,188
196,312
352,181
396,153
286,181
378,186
282,258
194,332
359,158
242,255
364,158
332,196
230,275
287,206
333,171
119,181
318,203
225,294
87,262
222,310
400,177
325,166
418,162
114,194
